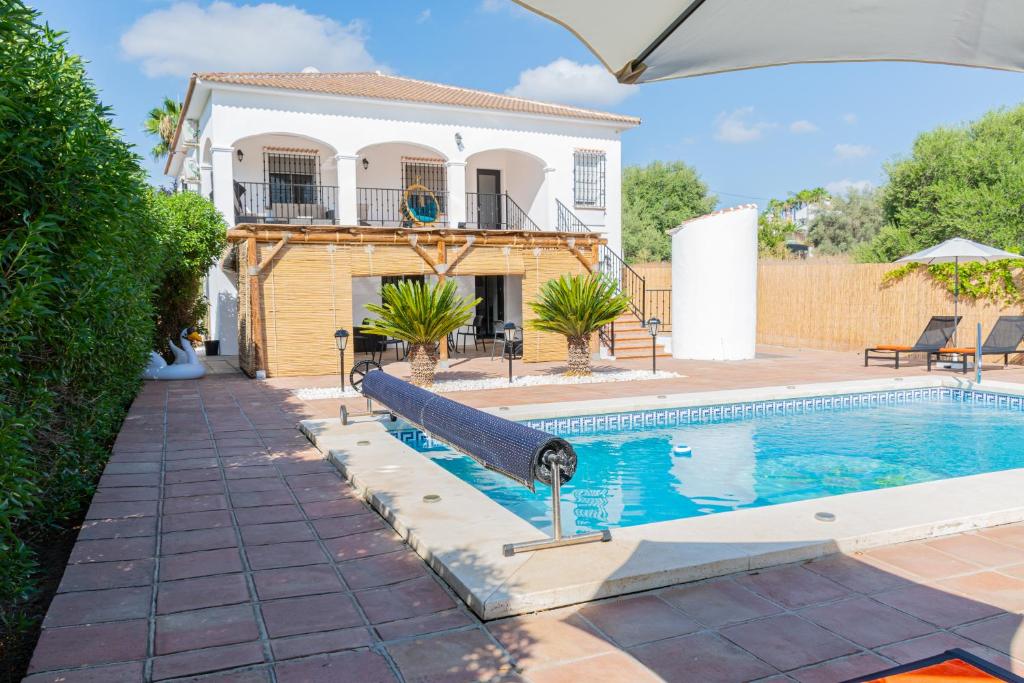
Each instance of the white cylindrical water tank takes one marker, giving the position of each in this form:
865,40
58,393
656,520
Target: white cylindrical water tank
714,285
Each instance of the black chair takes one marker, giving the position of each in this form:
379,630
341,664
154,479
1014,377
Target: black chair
1005,337
936,335
474,330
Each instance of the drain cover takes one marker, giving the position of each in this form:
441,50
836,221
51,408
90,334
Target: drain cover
431,498
824,516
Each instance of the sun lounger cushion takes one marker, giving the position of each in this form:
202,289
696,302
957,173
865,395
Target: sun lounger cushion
892,347
957,349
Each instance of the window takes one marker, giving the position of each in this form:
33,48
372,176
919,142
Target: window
432,175
588,179
293,178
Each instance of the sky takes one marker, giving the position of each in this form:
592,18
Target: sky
751,135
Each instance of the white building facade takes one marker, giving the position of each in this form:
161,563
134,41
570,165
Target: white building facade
364,149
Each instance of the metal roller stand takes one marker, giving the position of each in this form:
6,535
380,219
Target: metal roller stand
554,460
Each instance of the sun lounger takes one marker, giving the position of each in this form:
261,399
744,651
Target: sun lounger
936,335
1005,337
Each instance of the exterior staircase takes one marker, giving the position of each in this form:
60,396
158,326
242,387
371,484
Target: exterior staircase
629,339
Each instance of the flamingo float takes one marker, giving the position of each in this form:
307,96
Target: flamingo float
186,364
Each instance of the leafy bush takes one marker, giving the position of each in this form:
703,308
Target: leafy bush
193,235
848,222
78,259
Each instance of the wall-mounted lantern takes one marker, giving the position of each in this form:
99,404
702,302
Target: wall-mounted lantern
366,163
240,154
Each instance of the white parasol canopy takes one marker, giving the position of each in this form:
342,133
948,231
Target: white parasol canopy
660,39
954,251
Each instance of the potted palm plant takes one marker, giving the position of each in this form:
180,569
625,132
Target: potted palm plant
577,306
421,315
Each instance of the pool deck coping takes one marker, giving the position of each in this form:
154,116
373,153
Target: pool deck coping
461,536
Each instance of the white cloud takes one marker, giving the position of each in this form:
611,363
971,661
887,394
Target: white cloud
850,118
846,151
736,126
802,126
845,185
506,6
185,37
423,17
564,80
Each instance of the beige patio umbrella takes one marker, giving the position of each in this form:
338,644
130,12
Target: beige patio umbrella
655,40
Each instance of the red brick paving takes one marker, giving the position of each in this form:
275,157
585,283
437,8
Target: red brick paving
221,546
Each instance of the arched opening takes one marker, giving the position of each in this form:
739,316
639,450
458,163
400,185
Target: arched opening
285,178
400,184
505,189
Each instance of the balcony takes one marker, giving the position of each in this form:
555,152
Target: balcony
285,203
396,208
496,212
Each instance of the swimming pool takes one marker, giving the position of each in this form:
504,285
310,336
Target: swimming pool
657,465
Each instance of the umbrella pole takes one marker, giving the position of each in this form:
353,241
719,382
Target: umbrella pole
956,298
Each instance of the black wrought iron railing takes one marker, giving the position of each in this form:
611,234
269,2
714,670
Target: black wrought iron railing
397,208
567,221
496,212
607,337
631,283
658,304
277,202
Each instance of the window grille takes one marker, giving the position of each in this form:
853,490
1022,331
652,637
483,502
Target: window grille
293,178
589,179
432,175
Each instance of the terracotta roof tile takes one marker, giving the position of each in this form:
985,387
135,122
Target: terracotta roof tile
385,87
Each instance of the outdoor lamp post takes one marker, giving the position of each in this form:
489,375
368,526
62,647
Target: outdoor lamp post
510,345
652,329
341,340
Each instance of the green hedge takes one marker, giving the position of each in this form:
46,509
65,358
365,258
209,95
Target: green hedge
79,256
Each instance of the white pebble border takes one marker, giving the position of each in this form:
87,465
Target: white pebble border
314,393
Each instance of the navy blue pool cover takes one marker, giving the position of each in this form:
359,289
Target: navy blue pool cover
515,450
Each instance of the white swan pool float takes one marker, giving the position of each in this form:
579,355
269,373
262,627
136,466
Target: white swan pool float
186,364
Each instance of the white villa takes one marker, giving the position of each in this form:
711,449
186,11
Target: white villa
350,149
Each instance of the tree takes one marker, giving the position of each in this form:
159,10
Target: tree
577,306
421,315
848,222
771,235
964,181
655,199
194,235
161,123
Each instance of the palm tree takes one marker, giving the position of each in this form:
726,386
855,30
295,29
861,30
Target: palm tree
162,122
420,315
577,306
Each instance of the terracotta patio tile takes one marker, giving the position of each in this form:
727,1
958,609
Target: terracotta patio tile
256,484
285,555
201,563
100,575
720,602
260,498
404,600
364,545
792,586
129,480
321,643
363,666
132,527
867,622
190,464
335,527
124,494
704,657
922,560
1004,633
117,468
334,508
113,549
936,606
195,504
455,656
787,642
318,480
269,514
210,659
207,591
197,488
199,539
856,574
844,668
187,453
632,621
978,550
614,667
191,521
548,638
293,616
89,607
127,671
190,476
291,582
281,532
431,623
256,471
334,491
205,628
74,646
993,588
1012,534
1016,571
141,508
920,648
380,570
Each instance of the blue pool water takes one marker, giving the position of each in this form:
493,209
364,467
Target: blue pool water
638,475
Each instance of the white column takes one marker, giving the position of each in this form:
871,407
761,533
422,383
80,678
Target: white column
205,179
549,219
221,290
456,192
347,196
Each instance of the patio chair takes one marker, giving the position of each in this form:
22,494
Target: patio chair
1005,337
474,330
935,336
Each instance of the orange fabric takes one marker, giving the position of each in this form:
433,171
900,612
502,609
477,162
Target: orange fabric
893,347
958,349
951,671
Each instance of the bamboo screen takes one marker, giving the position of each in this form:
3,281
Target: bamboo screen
543,265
